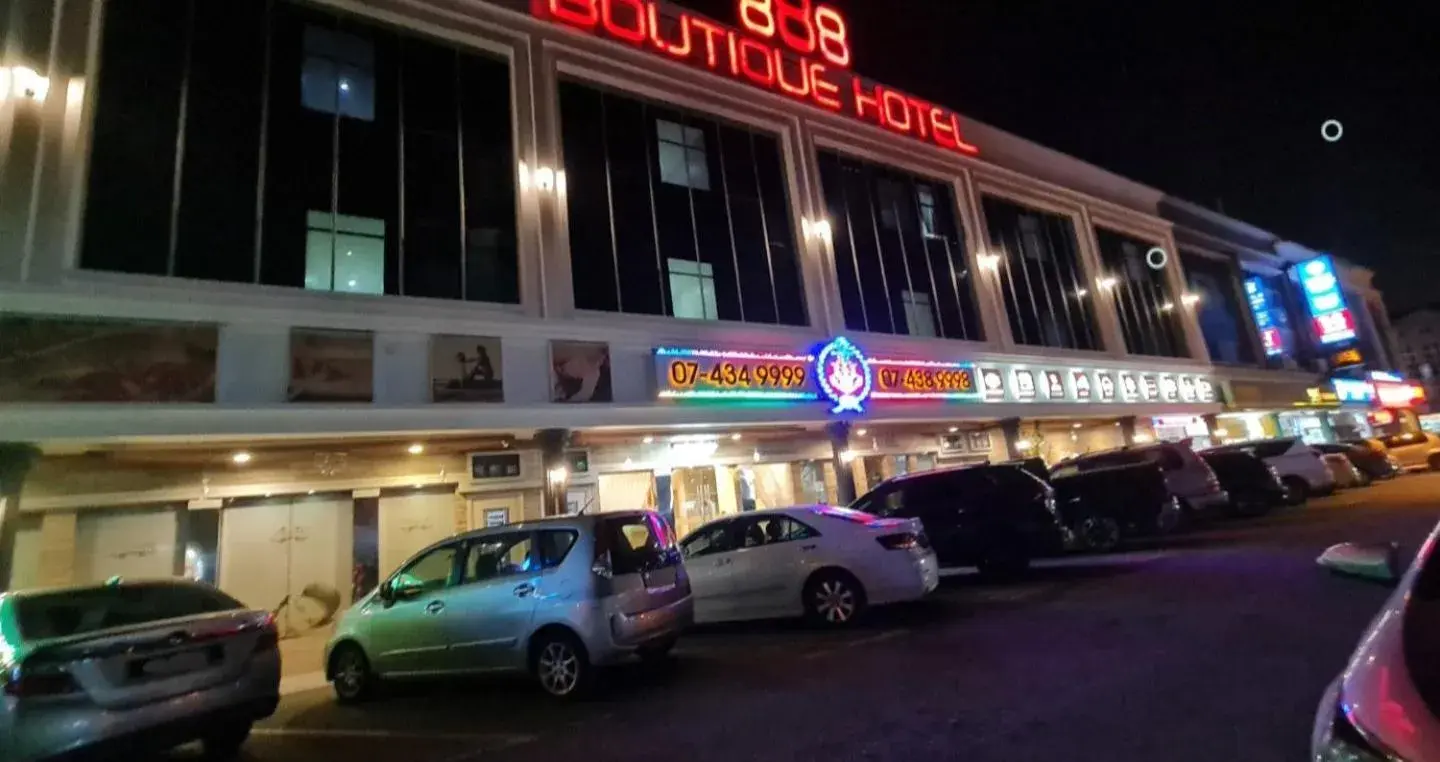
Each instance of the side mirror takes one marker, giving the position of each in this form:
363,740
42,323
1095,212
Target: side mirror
1374,562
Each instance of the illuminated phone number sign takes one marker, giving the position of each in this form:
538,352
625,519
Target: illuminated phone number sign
839,373
796,48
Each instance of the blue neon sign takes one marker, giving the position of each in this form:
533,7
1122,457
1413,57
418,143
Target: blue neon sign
1264,318
845,376
1332,318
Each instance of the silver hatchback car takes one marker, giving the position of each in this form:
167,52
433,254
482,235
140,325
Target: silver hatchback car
557,597
113,671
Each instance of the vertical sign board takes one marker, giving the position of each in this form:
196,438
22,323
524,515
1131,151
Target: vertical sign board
1331,317
1260,307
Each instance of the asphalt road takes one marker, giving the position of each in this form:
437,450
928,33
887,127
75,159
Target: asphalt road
1214,647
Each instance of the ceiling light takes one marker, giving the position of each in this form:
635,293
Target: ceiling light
240,458
954,429
734,437
847,456
1076,425
415,449
861,432
648,440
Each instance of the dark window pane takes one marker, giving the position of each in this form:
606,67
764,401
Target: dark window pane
784,253
630,153
492,270
747,220
592,252
1046,298
1217,285
432,245
132,154
1149,312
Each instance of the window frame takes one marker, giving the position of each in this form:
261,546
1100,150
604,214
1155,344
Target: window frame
726,529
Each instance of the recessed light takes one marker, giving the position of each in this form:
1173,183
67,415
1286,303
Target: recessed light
241,458
648,440
861,432
734,437
954,429
415,449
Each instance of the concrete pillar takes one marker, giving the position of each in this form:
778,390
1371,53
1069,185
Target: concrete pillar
1010,428
15,462
839,433
1127,430
557,477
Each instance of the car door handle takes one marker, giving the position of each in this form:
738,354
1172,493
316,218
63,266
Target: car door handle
523,589
435,607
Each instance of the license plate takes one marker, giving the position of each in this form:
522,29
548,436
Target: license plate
169,666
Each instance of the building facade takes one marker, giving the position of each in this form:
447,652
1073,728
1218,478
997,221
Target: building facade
289,290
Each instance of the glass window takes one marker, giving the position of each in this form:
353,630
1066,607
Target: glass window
636,543
709,540
76,612
650,186
770,530
338,74
555,545
1149,312
344,253
501,555
1047,297
899,251
431,571
1216,283
692,289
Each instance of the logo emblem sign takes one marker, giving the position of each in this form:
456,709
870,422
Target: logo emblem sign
1106,382
1187,388
1024,385
1205,389
1054,385
1149,388
1128,388
845,377
1169,389
1080,380
994,383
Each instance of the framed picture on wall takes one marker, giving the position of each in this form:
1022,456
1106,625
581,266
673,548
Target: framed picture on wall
76,360
331,366
466,369
580,372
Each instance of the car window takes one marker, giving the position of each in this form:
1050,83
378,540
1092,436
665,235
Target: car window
1110,460
1402,440
555,545
1272,448
1167,458
757,531
499,555
873,501
431,571
708,540
76,612
636,543
1021,481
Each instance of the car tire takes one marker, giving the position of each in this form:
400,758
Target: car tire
833,598
1297,490
561,665
351,675
1100,534
225,741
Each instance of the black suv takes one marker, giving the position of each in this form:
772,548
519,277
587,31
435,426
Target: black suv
994,517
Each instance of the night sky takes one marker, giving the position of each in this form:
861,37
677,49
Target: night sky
1215,102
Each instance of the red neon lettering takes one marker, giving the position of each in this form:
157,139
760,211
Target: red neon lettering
921,109
795,14
891,99
637,33
681,50
945,134
865,102
712,39
834,42
758,17
827,93
734,54
748,47
582,13
799,91
962,145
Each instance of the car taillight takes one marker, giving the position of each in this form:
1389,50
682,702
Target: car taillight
22,684
902,541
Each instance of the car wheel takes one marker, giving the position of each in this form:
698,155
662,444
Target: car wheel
1296,490
1100,533
225,742
561,665
834,598
656,652
350,674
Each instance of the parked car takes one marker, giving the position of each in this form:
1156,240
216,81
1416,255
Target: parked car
558,597
1103,506
1345,474
1414,451
1370,458
828,564
1187,477
1300,468
1254,487
1385,704
994,517
113,671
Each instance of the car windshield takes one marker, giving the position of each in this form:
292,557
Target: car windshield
79,612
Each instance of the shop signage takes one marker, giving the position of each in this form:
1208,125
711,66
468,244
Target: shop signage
1392,394
1350,390
1332,319
1260,307
842,375
1347,358
796,48
1321,396
965,443
500,465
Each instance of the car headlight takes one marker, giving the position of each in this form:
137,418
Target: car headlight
1338,739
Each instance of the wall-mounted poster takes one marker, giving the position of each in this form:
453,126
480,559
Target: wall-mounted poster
331,366
466,369
64,360
580,372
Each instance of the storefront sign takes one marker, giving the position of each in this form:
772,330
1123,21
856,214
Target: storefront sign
1350,390
1321,396
503,465
1393,395
794,48
1261,308
1332,319
840,373
1347,358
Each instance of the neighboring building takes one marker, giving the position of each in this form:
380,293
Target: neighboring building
1417,345
289,290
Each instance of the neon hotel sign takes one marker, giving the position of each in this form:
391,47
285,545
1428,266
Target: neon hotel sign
793,47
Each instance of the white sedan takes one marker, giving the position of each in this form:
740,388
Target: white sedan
826,563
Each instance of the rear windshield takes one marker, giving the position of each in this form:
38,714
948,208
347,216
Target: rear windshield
79,612
638,543
1272,448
